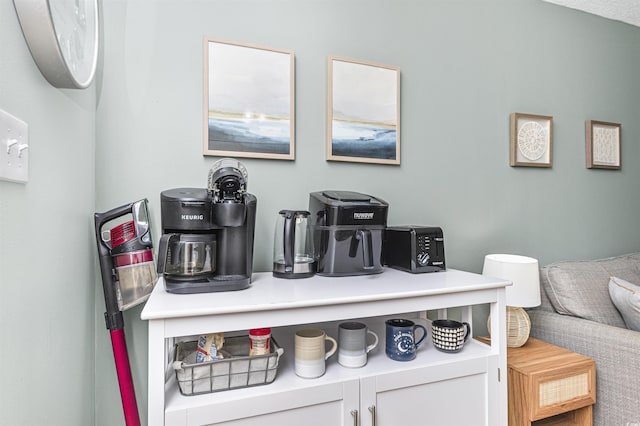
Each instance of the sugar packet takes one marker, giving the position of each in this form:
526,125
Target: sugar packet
209,346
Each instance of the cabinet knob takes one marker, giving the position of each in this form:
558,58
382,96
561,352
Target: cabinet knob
372,410
354,413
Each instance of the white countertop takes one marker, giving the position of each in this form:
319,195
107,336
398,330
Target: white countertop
268,293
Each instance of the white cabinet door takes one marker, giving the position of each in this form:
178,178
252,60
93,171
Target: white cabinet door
432,396
326,404
327,413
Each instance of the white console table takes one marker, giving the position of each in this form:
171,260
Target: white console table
469,387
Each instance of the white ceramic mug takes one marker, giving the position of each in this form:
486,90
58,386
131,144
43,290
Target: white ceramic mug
352,344
310,352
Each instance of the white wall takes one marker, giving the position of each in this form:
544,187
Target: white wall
47,282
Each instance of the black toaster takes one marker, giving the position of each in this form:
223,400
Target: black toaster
414,249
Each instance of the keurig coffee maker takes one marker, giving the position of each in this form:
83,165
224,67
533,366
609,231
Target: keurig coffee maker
348,229
207,241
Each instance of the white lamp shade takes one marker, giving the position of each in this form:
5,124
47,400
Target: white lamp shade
522,271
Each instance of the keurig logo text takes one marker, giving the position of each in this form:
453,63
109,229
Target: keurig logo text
192,217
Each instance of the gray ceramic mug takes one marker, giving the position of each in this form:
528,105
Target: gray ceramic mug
352,344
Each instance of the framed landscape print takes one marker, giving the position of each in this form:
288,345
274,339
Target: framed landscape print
363,112
603,145
248,101
531,141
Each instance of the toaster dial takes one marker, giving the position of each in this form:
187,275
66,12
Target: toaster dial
423,258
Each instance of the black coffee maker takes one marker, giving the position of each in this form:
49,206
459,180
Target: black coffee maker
348,229
208,234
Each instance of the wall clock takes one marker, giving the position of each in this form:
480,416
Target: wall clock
63,39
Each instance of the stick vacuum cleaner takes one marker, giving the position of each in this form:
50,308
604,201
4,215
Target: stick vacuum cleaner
128,276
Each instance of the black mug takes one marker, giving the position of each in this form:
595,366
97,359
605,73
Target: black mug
449,335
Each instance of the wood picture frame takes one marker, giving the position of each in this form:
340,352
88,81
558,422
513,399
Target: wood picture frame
363,111
249,101
604,141
531,140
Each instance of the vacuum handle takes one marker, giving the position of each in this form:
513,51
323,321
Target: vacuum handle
101,218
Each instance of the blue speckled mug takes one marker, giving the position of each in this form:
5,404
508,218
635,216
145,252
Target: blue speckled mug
401,344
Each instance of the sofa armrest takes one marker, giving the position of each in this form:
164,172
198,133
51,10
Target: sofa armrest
616,352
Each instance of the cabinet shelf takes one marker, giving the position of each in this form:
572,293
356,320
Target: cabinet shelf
286,305
286,380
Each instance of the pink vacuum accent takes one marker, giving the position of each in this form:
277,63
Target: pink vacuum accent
132,258
122,233
127,393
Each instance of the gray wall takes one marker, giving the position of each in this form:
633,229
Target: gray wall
466,65
47,281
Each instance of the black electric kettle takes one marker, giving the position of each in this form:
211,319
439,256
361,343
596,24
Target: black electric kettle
293,246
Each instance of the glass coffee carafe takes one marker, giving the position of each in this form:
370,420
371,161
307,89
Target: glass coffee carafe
293,246
188,255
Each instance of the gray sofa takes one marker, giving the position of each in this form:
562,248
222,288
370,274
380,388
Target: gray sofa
577,313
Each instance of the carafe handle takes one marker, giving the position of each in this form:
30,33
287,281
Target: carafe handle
163,249
289,240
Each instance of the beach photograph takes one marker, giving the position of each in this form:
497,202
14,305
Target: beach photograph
363,111
249,107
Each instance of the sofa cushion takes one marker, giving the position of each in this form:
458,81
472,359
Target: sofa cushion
626,297
580,288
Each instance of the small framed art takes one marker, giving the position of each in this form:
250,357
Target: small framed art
248,101
363,112
531,142
603,145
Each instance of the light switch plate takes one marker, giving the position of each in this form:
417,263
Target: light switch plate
14,149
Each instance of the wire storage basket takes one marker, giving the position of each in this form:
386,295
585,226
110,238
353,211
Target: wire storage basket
238,370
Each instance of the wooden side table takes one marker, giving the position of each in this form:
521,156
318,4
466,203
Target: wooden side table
549,385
